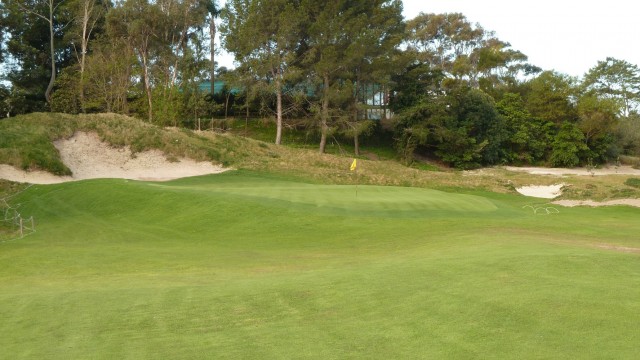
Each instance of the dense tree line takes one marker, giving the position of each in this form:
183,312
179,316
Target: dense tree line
454,90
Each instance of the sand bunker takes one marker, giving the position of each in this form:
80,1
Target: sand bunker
571,203
615,170
541,191
9,172
553,191
90,158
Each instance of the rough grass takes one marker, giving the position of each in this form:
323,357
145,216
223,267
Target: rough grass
26,143
630,160
253,265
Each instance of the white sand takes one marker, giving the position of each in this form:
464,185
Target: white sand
89,158
614,170
571,203
541,191
9,172
553,191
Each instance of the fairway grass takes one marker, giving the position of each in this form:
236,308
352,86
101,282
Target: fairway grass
256,266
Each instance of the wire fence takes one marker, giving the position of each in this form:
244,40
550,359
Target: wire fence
19,225
542,210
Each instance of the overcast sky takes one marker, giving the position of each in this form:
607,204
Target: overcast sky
567,36
563,35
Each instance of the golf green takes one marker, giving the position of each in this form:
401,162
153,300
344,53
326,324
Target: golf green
256,266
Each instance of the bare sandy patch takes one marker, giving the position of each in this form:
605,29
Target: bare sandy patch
11,173
541,191
89,158
611,170
572,203
624,249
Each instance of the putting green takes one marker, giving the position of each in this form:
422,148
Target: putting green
362,200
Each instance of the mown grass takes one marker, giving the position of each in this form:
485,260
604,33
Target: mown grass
254,265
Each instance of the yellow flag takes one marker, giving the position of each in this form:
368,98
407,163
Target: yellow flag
353,165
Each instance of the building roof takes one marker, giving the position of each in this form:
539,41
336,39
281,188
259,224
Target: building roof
219,85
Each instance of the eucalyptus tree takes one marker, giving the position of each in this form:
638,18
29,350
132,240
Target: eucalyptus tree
163,35
498,68
552,96
464,51
214,13
419,107
110,73
568,146
38,56
528,139
615,79
376,33
628,135
265,36
5,95
473,132
137,21
194,70
177,53
598,121
47,15
336,41
441,39
87,16
3,32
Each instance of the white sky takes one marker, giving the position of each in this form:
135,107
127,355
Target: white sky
563,35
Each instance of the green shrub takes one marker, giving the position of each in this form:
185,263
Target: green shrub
633,182
567,146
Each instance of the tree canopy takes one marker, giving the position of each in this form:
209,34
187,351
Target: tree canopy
346,69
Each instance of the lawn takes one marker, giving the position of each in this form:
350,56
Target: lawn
257,266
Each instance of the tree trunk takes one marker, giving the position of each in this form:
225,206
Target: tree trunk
356,134
147,85
87,10
226,105
81,87
52,80
212,33
278,110
324,115
356,144
124,88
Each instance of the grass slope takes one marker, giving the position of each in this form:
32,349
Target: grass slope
26,142
250,265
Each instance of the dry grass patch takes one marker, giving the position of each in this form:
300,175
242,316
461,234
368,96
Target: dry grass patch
37,131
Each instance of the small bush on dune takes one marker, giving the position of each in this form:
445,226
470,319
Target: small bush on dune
633,182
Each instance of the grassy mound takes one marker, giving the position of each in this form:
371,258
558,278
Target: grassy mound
251,265
26,142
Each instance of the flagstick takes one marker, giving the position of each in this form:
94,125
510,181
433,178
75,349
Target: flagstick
356,170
